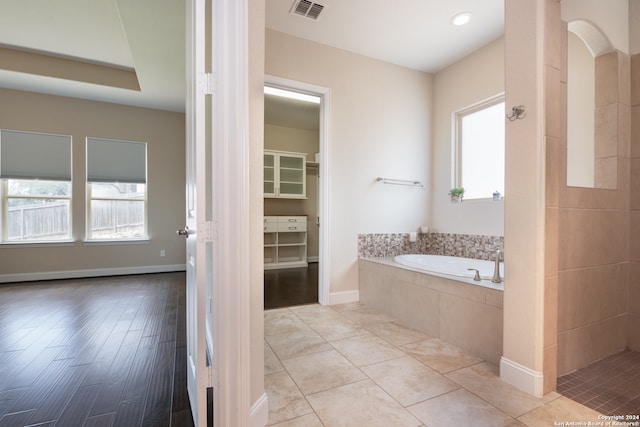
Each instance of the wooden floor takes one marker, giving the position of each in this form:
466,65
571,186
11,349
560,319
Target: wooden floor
291,286
94,352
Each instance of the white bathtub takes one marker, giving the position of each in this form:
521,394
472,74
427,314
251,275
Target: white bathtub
453,268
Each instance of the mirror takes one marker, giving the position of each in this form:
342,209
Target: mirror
597,61
580,112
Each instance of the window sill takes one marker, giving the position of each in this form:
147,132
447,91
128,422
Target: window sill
481,200
38,244
116,242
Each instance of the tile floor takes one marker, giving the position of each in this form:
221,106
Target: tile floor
349,365
610,386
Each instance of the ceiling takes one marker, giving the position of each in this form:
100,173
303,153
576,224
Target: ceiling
279,111
143,40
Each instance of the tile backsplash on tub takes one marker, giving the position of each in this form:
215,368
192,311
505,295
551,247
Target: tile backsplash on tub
459,245
389,245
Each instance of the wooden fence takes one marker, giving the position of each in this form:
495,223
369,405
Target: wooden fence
50,220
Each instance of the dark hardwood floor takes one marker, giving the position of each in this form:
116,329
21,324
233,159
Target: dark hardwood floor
94,352
291,286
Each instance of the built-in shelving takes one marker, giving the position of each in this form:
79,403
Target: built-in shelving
285,242
285,175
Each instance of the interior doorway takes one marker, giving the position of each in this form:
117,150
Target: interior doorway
295,193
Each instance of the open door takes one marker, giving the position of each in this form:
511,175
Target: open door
217,213
198,280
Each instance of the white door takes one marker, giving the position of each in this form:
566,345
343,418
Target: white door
198,281
217,213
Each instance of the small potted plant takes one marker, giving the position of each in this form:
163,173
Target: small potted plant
456,194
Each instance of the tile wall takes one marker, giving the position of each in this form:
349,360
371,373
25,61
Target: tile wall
633,316
459,245
589,230
467,316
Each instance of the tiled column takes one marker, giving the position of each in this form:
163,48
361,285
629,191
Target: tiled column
633,309
555,117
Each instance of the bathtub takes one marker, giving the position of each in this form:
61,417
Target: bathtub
453,268
448,305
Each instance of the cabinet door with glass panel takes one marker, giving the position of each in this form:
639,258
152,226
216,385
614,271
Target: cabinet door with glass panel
284,175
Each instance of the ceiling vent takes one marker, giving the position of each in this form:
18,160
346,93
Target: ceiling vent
307,9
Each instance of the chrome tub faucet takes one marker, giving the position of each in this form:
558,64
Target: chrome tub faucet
496,270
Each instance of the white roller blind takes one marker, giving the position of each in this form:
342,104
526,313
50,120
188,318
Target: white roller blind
29,155
109,160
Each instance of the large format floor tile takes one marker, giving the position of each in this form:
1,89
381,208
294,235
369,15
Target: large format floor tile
285,399
372,408
364,350
349,365
482,380
562,410
461,408
409,381
293,344
321,371
440,355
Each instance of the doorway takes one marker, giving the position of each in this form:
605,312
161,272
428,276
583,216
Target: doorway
295,193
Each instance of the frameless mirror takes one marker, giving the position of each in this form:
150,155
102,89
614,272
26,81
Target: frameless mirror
592,108
598,47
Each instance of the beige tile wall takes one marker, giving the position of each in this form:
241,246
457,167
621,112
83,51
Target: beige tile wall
594,229
555,123
633,298
467,316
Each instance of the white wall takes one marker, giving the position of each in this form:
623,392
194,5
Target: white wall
474,78
380,126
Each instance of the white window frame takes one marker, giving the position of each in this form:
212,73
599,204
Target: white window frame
4,190
5,196
89,196
456,145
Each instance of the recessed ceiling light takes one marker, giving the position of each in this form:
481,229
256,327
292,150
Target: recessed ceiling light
461,18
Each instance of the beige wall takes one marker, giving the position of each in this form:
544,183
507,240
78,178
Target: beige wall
380,118
473,79
306,141
164,133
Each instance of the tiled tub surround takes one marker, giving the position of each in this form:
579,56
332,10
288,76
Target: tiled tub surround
467,316
459,245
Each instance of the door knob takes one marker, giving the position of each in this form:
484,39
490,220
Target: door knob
184,232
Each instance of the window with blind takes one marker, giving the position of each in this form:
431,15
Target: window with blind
116,190
35,178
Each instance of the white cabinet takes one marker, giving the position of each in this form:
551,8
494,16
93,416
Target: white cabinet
285,175
285,242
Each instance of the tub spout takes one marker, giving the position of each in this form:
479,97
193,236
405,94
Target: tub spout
496,270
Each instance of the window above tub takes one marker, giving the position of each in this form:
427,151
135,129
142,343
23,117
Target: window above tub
478,149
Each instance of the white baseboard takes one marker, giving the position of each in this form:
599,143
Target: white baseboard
521,377
344,297
97,272
259,414
312,259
